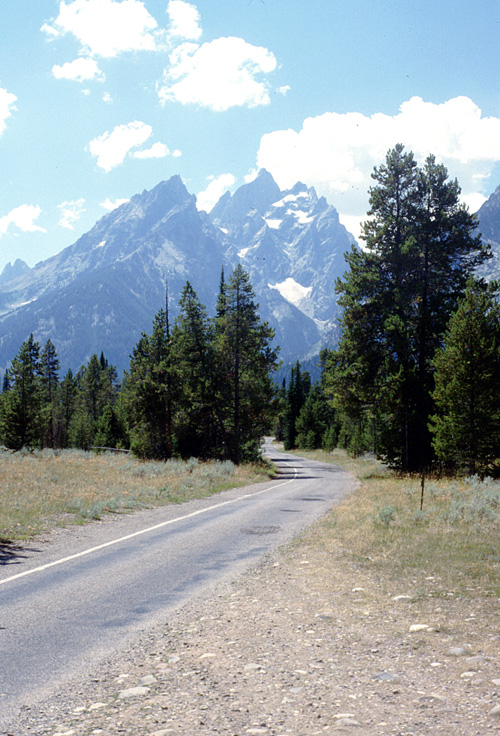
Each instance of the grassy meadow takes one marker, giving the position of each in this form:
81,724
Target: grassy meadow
454,542
43,489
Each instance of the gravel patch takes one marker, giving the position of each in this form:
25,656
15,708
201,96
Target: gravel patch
310,642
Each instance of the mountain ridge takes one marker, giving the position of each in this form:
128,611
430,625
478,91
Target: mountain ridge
102,291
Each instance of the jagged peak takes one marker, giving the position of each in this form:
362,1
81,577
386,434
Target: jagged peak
252,198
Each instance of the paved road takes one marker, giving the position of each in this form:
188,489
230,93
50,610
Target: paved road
67,604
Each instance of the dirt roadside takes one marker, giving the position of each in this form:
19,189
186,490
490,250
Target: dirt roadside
310,642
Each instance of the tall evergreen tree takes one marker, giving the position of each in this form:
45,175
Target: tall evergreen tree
22,403
149,389
397,298
199,428
466,425
296,395
49,367
245,359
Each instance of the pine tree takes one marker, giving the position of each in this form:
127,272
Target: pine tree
66,403
397,298
466,425
245,359
150,392
49,366
22,403
314,419
199,428
295,398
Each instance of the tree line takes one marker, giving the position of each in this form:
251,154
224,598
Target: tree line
416,373
200,387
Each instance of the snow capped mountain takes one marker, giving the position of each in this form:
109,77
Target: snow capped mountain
101,292
295,245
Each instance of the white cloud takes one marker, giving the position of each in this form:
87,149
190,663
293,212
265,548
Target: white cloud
23,218
108,204
208,198
7,106
110,149
184,21
79,70
71,212
336,152
176,153
157,150
221,74
107,98
106,28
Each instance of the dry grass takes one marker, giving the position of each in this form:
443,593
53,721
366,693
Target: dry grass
40,490
452,546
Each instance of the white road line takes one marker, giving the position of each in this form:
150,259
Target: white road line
144,531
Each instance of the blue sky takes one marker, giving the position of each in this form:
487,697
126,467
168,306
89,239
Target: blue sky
100,99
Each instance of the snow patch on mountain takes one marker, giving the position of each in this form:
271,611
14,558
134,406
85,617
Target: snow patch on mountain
273,224
292,291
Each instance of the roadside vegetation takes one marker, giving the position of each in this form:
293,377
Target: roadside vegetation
44,489
452,545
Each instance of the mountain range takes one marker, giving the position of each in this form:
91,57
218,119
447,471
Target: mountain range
100,293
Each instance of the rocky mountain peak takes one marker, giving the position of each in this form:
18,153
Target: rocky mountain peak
12,271
250,199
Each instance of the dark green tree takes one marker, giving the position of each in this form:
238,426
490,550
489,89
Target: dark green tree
397,297
245,359
49,373
150,392
466,425
199,428
296,395
314,419
66,403
22,403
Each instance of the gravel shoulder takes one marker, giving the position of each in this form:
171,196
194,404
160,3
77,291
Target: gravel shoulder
311,641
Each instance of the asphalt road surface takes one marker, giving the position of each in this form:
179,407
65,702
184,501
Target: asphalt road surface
80,596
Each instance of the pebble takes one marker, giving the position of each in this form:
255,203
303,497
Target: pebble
495,711
346,722
96,706
132,692
148,680
385,677
415,628
457,652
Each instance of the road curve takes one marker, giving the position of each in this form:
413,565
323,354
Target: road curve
67,604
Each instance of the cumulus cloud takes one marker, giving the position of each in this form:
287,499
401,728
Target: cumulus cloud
106,28
211,195
221,74
109,204
337,152
110,148
184,21
23,218
7,106
71,212
79,70
157,150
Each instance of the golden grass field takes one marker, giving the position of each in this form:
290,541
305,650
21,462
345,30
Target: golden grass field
455,539
40,490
